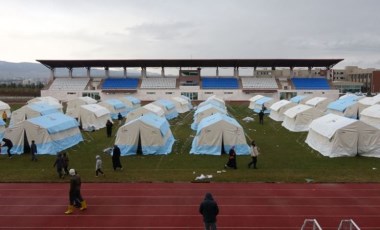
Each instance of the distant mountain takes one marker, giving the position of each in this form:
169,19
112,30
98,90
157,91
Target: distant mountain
28,70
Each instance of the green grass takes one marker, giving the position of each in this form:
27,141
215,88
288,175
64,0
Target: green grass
284,158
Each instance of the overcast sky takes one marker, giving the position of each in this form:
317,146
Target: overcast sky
184,29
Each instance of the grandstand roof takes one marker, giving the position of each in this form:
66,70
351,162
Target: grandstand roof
272,63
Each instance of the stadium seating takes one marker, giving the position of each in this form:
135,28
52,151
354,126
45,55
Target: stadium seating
158,83
310,83
219,83
65,83
259,83
120,83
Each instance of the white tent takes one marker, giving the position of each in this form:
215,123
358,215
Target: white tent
319,103
182,105
168,107
214,101
131,102
368,101
218,133
336,136
344,106
149,134
204,112
141,111
32,110
93,117
371,116
253,100
264,102
115,106
52,133
278,108
300,99
298,118
73,105
51,101
5,107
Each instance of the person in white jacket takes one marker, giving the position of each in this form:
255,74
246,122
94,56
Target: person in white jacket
98,166
254,153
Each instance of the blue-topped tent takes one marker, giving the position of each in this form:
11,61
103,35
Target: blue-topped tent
263,102
217,134
346,107
131,102
2,128
52,133
115,106
32,110
149,134
205,111
300,99
214,101
168,107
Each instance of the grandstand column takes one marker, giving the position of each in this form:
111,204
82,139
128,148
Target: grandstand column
291,72
162,72
309,70
328,72
125,71
143,71
88,72
107,71
71,72
217,71
254,71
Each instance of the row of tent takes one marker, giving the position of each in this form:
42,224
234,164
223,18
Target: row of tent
42,120
334,131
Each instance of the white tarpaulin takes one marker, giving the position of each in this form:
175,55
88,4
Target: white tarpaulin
278,109
320,103
93,117
371,116
336,136
298,118
74,105
141,111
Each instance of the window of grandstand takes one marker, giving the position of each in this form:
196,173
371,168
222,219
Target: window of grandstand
168,92
209,92
94,95
228,92
192,95
71,93
150,92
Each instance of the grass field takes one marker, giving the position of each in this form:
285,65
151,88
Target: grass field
284,158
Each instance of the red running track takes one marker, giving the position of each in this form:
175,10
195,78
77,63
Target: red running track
175,205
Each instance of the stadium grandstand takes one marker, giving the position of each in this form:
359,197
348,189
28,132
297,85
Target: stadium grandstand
275,78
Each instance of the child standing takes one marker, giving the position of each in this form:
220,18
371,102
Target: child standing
98,166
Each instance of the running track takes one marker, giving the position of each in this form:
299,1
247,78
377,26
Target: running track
175,205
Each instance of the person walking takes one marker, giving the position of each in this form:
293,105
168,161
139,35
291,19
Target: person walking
254,153
231,159
261,117
58,164
33,151
209,210
65,160
120,118
75,192
116,158
5,116
98,166
8,143
109,128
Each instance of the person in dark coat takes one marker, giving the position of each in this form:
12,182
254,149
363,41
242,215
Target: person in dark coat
33,150
209,210
116,158
8,143
261,117
58,164
75,193
119,118
231,159
109,128
65,160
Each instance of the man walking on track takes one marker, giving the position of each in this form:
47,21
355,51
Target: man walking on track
75,194
209,209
